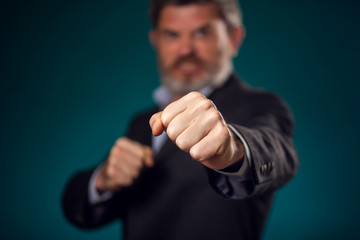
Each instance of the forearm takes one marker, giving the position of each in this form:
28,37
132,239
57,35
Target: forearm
274,160
272,163
77,207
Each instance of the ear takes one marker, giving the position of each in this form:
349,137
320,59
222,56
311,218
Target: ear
237,36
153,38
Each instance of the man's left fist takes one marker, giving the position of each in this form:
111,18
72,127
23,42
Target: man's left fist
195,125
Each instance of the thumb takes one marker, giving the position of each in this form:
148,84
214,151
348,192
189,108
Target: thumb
148,157
156,125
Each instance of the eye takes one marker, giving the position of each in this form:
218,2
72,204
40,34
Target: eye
202,32
170,34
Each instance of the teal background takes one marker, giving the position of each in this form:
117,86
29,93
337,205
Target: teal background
74,72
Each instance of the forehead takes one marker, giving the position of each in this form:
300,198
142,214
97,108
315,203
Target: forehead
188,16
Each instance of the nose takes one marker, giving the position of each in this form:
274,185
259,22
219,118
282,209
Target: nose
186,46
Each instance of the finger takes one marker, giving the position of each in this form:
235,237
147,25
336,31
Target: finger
194,133
156,125
114,176
148,157
181,122
131,146
118,183
126,172
125,162
179,106
213,144
121,175
138,150
141,152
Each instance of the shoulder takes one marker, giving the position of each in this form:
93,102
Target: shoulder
240,102
237,92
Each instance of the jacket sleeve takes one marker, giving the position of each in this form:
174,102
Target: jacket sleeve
75,202
273,160
78,210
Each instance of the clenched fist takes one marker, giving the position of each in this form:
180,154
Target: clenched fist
195,125
123,165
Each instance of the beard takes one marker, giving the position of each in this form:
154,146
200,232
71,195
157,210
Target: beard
213,76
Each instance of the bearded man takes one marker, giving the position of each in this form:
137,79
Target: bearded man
215,151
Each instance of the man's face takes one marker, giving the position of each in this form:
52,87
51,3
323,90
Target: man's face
193,47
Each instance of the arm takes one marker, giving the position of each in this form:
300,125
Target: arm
267,130
79,211
122,166
197,127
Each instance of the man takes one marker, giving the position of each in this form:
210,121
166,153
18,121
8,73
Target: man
221,150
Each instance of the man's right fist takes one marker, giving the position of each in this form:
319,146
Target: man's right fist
123,165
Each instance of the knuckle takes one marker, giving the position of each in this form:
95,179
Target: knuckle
109,171
171,132
136,173
195,94
116,148
205,105
113,151
224,133
115,154
182,143
153,118
120,141
138,164
165,118
214,116
196,154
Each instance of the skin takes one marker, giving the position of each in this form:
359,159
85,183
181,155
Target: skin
195,125
123,165
192,45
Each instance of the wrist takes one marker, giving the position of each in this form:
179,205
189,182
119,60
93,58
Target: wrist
100,183
238,152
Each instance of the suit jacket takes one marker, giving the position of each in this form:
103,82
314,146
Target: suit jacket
179,198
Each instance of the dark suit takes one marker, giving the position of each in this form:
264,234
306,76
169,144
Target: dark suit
181,199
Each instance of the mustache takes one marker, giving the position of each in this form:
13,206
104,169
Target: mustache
188,58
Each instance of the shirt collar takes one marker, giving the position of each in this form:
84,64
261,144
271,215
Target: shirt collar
162,95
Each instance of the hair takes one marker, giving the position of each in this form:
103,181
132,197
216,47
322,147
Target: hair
229,10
